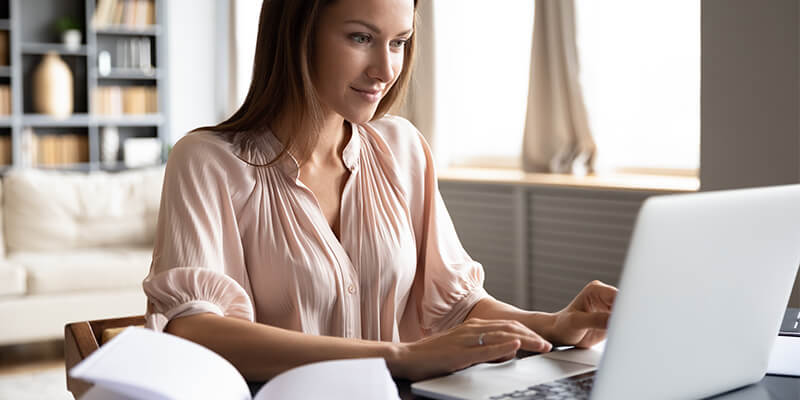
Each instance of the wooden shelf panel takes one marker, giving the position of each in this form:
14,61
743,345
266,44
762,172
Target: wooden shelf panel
44,48
124,30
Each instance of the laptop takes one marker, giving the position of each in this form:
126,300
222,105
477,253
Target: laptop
701,298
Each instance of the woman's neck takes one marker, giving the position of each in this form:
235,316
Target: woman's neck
333,137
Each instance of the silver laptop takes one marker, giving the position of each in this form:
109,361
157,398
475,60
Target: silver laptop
703,290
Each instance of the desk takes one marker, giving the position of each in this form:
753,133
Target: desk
770,388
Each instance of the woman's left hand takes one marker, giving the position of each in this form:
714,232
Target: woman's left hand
584,321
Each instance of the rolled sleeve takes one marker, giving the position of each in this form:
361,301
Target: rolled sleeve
198,259
181,292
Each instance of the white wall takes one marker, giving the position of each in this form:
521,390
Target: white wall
195,38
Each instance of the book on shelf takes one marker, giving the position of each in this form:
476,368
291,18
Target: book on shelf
5,150
143,364
59,149
4,47
129,13
5,100
133,55
117,100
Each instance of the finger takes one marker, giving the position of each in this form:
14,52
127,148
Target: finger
536,344
606,293
529,339
491,352
507,326
589,320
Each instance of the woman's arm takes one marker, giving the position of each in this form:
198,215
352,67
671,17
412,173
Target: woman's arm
492,309
261,352
582,323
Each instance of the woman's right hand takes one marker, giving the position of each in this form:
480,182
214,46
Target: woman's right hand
461,347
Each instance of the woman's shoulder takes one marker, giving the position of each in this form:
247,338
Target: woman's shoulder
401,137
204,149
201,143
395,128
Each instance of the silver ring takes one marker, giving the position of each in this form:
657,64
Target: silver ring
480,339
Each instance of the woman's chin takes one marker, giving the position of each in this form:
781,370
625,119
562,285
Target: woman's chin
360,117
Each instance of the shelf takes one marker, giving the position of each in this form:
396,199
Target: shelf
43,120
125,30
29,29
128,120
44,48
84,120
130,73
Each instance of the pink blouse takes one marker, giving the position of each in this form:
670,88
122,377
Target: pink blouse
252,242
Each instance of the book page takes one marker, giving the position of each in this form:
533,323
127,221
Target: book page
101,393
361,378
143,364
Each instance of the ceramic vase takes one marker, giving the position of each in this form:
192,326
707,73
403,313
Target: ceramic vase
71,39
110,145
53,87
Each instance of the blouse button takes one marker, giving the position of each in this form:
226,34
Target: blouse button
351,289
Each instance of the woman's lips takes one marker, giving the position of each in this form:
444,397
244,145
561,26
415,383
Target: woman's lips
371,96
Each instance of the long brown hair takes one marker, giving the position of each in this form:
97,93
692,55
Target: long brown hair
282,84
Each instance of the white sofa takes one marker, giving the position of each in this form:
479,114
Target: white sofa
74,246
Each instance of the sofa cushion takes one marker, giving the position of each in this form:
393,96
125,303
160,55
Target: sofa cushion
50,210
84,270
12,279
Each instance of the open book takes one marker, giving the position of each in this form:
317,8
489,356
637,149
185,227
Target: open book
143,364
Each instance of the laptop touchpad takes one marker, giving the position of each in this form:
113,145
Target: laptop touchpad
485,380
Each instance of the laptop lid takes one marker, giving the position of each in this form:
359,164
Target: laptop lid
705,284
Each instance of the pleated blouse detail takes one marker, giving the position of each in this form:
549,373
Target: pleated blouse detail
251,242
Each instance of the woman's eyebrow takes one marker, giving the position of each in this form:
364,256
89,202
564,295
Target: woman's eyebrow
371,26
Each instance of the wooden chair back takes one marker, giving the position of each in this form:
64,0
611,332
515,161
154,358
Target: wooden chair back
83,338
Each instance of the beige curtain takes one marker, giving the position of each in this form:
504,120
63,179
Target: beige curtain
420,101
557,137
233,60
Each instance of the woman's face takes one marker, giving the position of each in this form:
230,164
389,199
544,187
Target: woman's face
358,54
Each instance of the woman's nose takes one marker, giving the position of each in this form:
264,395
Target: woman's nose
381,66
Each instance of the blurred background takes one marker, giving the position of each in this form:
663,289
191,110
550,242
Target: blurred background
550,122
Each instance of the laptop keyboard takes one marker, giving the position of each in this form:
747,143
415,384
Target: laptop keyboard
791,323
575,387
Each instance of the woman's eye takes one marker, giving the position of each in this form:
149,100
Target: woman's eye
360,38
399,43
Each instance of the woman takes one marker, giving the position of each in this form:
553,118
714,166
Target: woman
308,226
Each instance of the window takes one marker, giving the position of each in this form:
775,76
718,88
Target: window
246,25
640,74
482,68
